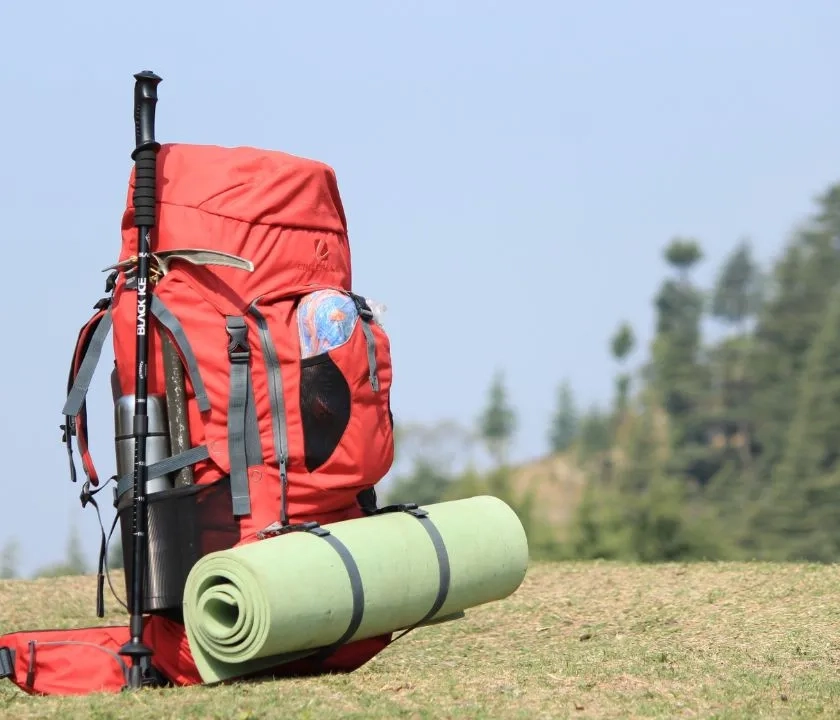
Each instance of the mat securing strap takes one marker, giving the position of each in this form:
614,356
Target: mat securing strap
356,587
445,571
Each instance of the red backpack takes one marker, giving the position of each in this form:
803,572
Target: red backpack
269,383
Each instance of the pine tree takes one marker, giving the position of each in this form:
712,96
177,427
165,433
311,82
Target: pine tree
679,375
679,308
425,484
790,318
622,345
799,511
564,424
737,294
9,559
683,254
594,434
599,528
497,423
75,559
735,301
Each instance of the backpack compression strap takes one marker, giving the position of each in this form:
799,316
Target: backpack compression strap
244,449
366,314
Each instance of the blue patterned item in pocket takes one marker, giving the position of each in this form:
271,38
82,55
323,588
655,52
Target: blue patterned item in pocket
326,319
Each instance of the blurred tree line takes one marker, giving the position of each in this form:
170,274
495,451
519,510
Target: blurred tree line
723,443
74,562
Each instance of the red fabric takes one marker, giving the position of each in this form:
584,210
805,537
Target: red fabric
284,214
82,661
173,657
77,661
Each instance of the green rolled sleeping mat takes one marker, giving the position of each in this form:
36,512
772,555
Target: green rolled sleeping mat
300,593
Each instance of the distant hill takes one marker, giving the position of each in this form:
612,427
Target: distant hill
556,484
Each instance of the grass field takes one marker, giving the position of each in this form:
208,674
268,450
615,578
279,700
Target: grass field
578,640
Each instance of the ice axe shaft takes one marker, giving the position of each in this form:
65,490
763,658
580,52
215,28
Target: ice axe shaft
176,408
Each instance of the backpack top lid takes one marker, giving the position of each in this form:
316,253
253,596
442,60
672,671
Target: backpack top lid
255,186
282,212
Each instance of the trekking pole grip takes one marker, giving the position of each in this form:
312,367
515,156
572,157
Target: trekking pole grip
146,147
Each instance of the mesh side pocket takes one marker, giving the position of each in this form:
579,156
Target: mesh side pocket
185,524
324,408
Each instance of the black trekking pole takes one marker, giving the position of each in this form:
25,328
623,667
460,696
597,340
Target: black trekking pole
145,163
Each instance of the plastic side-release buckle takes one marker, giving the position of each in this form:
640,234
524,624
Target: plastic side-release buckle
410,508
367,500
276,529
239,351
7,662
362,307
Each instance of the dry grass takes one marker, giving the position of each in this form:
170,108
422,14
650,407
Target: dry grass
578,640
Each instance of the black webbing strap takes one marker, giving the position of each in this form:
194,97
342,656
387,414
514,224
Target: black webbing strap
81,383
239,353
171,323
7,662
366,314
356,587
444,568
89,345
253,444
277,404
87,496
357,590
445,572
163,467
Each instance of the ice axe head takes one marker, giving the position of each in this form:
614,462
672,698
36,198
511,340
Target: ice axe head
196,256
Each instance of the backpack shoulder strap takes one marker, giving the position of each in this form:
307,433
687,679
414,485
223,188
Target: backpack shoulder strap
86,356
89,344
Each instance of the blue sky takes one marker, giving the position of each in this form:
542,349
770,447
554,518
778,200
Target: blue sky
511,172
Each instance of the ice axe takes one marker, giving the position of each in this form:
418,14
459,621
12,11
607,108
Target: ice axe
195,256
173,369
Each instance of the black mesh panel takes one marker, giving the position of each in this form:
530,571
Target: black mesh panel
185,524
324,408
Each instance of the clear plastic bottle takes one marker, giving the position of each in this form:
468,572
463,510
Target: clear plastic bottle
378,309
